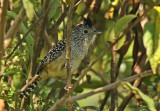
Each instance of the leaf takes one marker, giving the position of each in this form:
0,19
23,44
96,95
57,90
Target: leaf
79,89
54,8
29,9
69,1
29,40
151,40
122,23
147,99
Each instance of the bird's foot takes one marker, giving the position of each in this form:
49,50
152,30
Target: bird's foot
68,88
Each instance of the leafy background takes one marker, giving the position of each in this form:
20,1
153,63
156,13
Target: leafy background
29,28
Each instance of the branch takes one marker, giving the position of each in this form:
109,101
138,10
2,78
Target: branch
3,14
102,76
68,52
113,77
110,86
14,28
47,41
29,83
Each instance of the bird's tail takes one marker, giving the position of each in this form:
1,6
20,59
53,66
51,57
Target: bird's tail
27,89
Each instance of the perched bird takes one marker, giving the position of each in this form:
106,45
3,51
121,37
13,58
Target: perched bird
53,64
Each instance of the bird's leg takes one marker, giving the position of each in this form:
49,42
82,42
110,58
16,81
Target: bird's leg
70,66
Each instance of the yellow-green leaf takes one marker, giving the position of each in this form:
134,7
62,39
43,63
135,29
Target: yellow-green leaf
122,23
152,39
29,9
149,101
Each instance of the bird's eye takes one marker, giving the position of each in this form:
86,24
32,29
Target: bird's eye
85,31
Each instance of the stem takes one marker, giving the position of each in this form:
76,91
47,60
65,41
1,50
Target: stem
113,77
3,14
68,53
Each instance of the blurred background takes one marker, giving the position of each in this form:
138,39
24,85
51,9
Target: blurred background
130,38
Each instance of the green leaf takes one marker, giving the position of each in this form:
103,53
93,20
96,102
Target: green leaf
29,9
122,23
54,8
79,89
149,101
29,40
151,40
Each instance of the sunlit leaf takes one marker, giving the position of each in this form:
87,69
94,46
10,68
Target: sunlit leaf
112,7
147,99
29,9
152,40
122,23
69,1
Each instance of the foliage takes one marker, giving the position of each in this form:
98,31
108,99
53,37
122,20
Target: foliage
129,45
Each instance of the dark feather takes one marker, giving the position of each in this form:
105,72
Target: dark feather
87,21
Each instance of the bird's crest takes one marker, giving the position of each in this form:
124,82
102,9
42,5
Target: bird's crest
87,22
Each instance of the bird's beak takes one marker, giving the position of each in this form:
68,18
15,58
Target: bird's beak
97,32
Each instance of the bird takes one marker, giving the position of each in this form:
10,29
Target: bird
54,63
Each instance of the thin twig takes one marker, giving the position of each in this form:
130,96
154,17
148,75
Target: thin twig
16,101
61,18
103,78
22,104
123,8
68,52
47,41
113,77
29,83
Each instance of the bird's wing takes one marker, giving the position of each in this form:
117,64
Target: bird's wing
53,54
